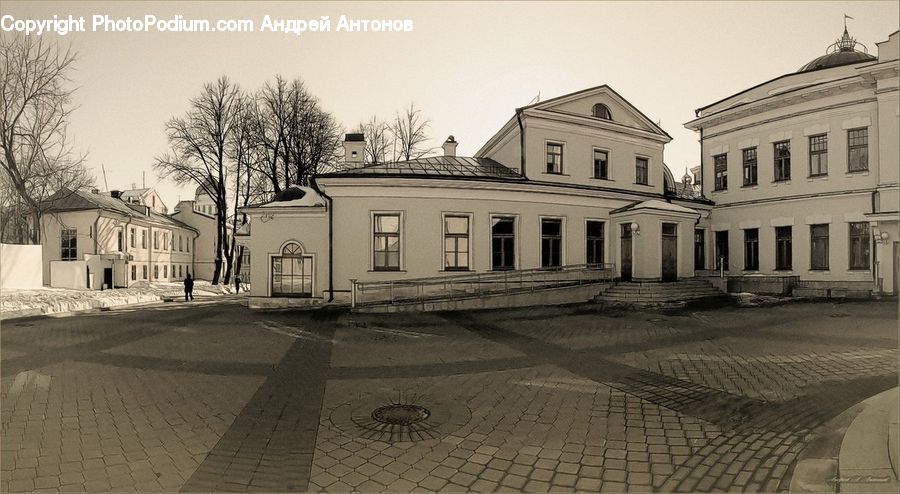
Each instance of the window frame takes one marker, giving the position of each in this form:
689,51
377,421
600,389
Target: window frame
561,251
515,241
726,259
822,154
720,172
782,264
812,246
562,157
68,244
374,215
297,251
781,165
596,175
699,260
456,237
646,168
751,250
864,242
750,166
852,147
601,105
594,240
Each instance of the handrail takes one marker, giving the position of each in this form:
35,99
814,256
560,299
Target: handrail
476,284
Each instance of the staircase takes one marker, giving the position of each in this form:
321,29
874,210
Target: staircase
648,293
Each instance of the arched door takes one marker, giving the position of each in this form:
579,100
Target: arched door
292,273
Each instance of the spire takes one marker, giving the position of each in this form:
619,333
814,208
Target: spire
846,42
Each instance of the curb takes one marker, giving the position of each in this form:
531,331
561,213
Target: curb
94,306
865,458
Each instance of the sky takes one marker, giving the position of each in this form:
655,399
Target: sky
467,65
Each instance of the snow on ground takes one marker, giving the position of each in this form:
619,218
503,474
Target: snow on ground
47,300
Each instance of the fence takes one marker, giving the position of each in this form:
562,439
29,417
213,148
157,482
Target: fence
476,284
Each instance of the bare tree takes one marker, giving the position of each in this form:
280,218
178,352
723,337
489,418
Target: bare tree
35,105
410,133
199,144
379,143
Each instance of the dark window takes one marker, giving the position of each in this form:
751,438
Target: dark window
456,243
503,243
720,168
165,270
699,249
818,155
133,272
594,247
782,160
601,111
156,271
155,240
818,246
180,244
292,273
120,240
132,238
554,157
859,245
144,271
641,171
858,149
601,164
783,248
751,249
750,169
69,243
551,243
144,240
722,250
387,242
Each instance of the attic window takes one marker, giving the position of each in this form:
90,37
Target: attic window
601,111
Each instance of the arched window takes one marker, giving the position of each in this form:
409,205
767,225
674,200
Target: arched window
292,272
601,111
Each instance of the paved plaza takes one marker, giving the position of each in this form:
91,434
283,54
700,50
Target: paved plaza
214,397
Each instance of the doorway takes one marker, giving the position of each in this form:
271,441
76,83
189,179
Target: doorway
626,252
107,278
669,252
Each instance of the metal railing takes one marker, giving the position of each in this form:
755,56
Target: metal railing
418,290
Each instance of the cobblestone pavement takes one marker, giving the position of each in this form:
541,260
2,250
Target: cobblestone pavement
213,397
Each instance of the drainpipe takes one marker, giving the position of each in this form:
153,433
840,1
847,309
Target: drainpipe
330,207
521,141
702,179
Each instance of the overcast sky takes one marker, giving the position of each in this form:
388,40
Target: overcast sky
467,65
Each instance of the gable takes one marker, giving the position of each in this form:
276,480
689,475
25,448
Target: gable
582,103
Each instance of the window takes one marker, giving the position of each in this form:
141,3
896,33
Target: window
292,272
180,245
818,155
601,164
386,242
751,249
699,249
551,243
456,243
165,271
187,245
144,239
641,171
69,244
155,240
782,160
179,270
165,241
120,240
156,271
720,168
859,245
858,149
783,248
818,246
144,271
132,238
594,238
602,111
554,157
722,250
133,272
750,169
503,243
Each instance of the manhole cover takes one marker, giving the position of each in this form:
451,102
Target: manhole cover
399,414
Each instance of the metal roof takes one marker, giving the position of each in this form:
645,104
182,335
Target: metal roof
445,166
79,200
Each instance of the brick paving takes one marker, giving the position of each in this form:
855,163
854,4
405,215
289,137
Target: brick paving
217,398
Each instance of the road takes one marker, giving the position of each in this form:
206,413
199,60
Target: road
210,396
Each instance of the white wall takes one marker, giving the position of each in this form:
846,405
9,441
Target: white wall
69,274
21,266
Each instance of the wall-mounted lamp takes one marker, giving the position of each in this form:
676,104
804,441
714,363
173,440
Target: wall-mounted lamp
635,229
884,236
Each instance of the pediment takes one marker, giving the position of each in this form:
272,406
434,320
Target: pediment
582,104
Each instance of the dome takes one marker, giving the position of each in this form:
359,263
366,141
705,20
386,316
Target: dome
841,52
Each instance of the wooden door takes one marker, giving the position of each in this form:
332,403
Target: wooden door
626,252
669,252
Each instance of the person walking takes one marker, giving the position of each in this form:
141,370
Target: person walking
188,288
237,284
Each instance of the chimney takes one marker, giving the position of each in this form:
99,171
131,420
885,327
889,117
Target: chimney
354,149
95,191
116,194
450,146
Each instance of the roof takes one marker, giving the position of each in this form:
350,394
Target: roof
437,166
295,195
655,205
841,52
134,192
355,137
79,200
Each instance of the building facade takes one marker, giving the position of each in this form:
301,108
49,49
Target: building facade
803,170
94,240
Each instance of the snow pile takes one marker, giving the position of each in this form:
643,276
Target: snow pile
23,303
746,299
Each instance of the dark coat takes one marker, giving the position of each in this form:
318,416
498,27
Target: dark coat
188,284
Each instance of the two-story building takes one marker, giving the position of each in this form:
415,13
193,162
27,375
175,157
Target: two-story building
578,179
803,170
98,240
